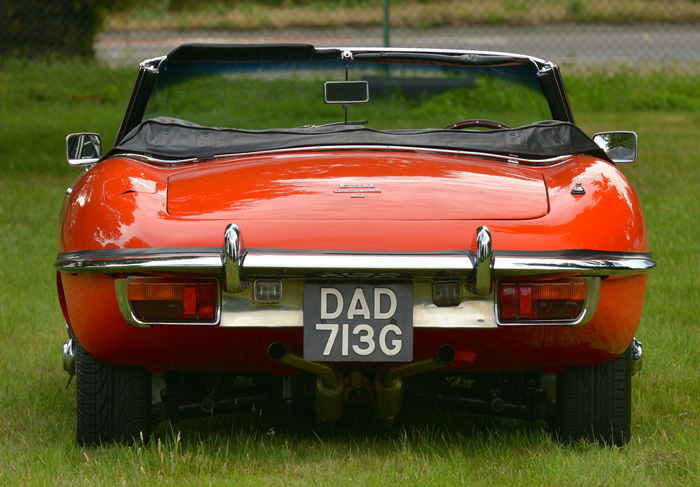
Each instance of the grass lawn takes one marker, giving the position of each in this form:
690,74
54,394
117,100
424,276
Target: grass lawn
42,103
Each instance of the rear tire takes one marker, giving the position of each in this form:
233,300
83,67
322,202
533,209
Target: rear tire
594,402
113,402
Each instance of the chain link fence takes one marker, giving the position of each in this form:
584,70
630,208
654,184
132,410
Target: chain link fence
643,34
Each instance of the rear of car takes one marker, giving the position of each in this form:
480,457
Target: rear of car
355,254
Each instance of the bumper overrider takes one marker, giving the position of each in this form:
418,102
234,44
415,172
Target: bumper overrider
236,269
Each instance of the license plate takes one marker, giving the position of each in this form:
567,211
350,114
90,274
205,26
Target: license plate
355,322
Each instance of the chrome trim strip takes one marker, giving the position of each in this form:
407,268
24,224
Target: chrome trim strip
176,264
141,253
423,50
156,160
153,64
121,290
405,148
367,49
292,264
274,263
601,266
262,263
387,148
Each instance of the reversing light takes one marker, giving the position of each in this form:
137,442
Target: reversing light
155,300
267,291
561,300
447,293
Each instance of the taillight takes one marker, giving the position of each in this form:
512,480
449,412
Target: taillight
155,300
560,300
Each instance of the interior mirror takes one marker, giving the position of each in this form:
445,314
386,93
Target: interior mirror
346,92
621,147
83,149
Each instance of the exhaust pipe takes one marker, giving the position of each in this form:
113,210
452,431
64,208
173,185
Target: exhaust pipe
329,384
388,384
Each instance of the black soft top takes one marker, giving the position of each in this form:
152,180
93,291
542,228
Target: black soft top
169,138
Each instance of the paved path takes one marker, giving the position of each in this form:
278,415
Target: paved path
582,44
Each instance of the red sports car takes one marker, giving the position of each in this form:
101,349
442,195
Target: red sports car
342,228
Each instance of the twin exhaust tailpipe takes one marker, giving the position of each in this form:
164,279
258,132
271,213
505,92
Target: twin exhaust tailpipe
329,384
388,384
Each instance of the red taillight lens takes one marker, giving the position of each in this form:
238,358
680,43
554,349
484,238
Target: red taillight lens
164,301
532,301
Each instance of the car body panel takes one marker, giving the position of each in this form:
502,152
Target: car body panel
139,218
142,220
204,348
354,186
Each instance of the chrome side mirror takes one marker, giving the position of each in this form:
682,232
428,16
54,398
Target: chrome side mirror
83,149
621,147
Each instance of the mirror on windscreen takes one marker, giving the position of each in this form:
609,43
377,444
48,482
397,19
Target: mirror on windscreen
346,92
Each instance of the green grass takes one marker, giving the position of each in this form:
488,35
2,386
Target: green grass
43,102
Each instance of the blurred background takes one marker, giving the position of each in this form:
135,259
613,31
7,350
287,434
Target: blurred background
607,34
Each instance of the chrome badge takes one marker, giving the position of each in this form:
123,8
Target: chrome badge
357,190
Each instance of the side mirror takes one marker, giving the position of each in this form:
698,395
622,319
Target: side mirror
83,149
621,147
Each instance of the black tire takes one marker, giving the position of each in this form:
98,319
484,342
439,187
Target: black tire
594,402
113,402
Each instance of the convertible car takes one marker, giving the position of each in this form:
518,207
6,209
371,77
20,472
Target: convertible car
343,229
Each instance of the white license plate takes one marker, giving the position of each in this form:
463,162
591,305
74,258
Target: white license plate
356,322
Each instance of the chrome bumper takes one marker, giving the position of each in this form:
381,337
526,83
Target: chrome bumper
238,266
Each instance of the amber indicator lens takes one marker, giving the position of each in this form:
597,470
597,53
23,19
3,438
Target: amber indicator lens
163,301
447,293
532,301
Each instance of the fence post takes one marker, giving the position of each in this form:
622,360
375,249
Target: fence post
386,23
